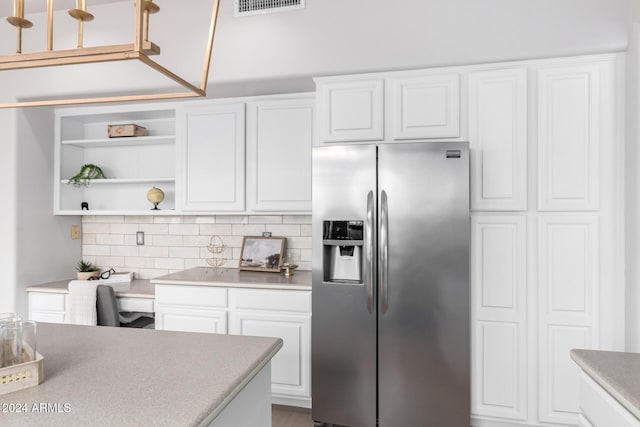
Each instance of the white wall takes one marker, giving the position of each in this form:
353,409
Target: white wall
7,211
632,198
44,249
332,37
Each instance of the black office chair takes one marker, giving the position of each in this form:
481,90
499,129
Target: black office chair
108,314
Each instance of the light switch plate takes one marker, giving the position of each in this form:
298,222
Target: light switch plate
75,232
139,238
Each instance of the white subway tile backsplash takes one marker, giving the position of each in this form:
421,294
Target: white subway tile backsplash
174,243
123,228
184,229
215,229
265,219
154,251
167,240
93,228
247,230
182,252
232,219
154,228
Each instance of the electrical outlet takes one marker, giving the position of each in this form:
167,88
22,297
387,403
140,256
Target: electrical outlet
75,232
140,238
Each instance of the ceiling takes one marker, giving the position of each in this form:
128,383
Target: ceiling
33,6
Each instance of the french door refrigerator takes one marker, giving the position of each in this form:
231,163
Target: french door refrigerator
391,314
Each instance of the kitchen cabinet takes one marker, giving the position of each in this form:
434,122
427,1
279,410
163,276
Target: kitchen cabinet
498,139
499,313
350,110
212,157
570,101
132,165
253,312
545,247
284,314
47,307
191,309
423,107
280,135
600,409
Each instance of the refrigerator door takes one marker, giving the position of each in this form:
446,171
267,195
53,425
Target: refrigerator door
424,336
344,314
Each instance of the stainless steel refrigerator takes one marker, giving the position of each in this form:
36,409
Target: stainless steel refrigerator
391,314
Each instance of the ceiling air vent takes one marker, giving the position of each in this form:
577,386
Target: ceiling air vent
257,7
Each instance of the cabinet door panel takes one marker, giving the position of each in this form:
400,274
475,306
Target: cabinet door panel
279,140
499,313
426,107
173,319
351,111
568,138
290,367
213,158
498,139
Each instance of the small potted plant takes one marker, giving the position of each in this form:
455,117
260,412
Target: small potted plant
86,174
86,270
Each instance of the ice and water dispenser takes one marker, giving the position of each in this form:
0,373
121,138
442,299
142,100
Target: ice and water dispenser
342,243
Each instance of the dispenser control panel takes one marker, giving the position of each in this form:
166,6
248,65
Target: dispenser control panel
343,230
342,243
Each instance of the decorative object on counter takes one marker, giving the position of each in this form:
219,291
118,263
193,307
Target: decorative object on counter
140,49
155,196
262,253
289,264
84,206
86,270
216,246
121,131
86,174
20,365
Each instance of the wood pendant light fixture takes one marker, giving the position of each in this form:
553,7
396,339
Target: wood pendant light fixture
141,49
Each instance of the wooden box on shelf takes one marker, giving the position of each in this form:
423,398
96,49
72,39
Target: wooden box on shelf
128,130
24,375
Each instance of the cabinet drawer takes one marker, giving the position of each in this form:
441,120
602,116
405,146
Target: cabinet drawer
135,304
276,300
46,302
192,296
600,408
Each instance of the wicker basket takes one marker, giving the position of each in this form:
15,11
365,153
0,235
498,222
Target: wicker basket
24,375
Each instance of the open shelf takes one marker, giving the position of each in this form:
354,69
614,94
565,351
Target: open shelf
121,142
124,181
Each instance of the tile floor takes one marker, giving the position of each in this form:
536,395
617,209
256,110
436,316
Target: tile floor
288,416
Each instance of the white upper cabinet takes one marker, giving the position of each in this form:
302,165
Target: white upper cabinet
498,139
351,110
212,162
279,139
425,106
569,103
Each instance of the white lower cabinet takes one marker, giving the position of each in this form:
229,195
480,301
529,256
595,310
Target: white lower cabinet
599,409
47,307
251,312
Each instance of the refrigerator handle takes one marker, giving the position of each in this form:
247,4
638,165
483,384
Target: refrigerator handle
384,253
369,272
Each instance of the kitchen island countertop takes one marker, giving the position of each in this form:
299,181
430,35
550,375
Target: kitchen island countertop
233,278
103,376
616,372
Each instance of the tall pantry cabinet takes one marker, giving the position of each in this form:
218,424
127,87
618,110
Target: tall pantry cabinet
546,211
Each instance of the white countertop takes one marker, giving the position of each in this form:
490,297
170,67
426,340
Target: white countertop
233,278
616,372
137,377
134,289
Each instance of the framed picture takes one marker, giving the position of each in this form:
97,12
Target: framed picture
262,253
